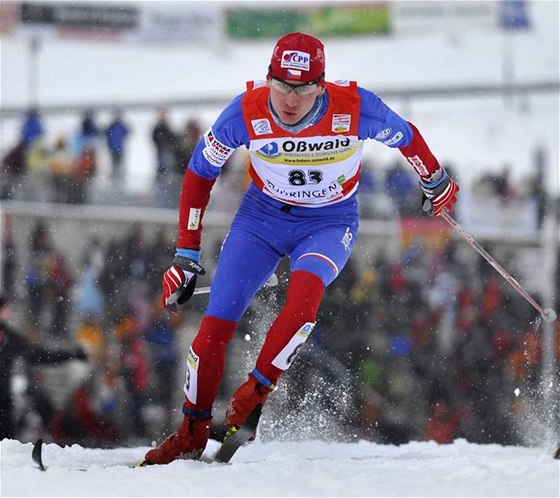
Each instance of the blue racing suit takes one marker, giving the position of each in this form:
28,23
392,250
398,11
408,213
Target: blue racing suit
272,220
301,203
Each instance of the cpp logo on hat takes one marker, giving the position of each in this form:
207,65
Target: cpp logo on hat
294,59
297,56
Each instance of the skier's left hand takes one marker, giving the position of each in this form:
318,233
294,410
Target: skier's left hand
439,194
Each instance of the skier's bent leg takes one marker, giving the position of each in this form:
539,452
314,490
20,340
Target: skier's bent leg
205,367
283,340
292,325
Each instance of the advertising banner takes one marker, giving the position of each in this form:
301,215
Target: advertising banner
81,20
343,19
125,21
427,16
181,21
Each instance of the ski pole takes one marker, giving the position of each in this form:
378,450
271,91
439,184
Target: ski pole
172,300
549,315
271,282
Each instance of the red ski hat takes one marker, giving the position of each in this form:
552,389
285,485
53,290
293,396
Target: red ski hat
298,57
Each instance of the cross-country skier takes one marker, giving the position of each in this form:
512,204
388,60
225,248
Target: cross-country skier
305,137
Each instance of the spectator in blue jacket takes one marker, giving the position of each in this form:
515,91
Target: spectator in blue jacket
89,131
32,127
116,134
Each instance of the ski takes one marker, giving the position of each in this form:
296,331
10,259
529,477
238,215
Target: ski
224,454
246,432
37,454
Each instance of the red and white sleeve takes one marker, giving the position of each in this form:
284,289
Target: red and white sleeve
418,154
195,195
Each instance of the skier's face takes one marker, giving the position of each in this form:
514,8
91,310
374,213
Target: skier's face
292,101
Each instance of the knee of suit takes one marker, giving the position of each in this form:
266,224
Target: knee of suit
303,296
319,265
292,326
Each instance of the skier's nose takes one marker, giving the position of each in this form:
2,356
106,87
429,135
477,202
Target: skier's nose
292,99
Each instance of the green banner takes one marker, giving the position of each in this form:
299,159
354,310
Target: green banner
339,20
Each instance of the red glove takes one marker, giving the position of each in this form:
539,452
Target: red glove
179,282
439,194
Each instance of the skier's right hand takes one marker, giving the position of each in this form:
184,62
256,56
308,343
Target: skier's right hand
179,282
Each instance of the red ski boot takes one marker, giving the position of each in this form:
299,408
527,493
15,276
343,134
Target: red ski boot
188,442
246,398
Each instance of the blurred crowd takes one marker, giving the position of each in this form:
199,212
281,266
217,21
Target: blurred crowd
438,344
33,169
428,343
110,306
424,343
65,169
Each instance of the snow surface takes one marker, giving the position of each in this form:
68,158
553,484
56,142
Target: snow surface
311,468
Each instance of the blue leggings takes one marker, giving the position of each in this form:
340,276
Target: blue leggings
317,240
